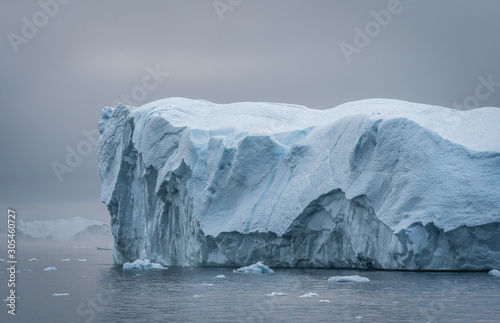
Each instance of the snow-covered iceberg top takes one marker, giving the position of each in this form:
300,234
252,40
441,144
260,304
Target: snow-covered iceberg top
348,279
258,268
379,183
142,264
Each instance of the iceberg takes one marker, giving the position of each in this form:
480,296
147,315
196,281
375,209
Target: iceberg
71,229
349,279
50,268
258,268
309,295
220,276
142,264
378,183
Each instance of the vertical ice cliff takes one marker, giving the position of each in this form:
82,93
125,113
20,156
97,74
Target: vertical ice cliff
369,184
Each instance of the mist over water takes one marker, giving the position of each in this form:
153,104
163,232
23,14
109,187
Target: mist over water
99,291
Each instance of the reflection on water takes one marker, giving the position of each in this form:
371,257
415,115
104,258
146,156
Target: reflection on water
102,292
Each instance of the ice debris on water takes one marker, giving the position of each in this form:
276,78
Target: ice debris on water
324,301
494,272
33,259
207,284
309,295
142,264
352,278
66,259
257,268
81,260
220,276
60,294
50,268
273,294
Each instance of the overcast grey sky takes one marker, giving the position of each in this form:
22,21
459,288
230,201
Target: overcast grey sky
61,64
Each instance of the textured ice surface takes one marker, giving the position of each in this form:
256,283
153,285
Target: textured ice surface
258,268
369,184
494,272
348,279
142,264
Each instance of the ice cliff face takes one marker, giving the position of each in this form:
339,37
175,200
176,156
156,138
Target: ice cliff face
369,184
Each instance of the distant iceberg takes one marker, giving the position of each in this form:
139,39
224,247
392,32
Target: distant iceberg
71,229
50,268
258,268
377,183
142,264
308,295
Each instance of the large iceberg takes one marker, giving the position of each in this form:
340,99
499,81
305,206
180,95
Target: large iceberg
370,184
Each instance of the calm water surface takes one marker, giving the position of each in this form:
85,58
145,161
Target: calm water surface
102,292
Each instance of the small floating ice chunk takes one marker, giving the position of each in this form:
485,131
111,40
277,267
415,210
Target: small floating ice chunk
207,284
60,294
198,296
273,294
142,264
81,260
220,276
8,299
359,317
255,268
494,272
324,301
33,259
66,259
309,295
50,268
352,278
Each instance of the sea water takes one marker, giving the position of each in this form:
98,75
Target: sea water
93,289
